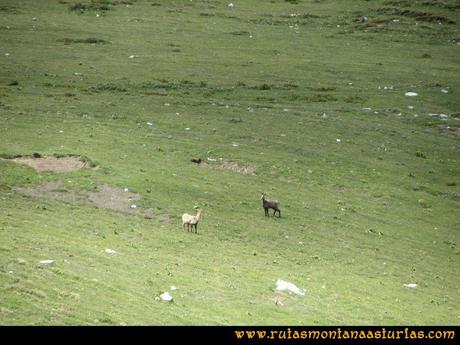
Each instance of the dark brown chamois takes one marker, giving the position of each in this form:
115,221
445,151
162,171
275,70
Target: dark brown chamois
273,204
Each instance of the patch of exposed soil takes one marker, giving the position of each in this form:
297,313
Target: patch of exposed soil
233,166
288,179
55,164
115,199
452,132
108,197
51,190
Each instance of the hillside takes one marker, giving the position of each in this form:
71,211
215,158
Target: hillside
347,112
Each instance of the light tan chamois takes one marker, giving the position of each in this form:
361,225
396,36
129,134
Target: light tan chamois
191,221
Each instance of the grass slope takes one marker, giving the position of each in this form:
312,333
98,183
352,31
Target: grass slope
270,86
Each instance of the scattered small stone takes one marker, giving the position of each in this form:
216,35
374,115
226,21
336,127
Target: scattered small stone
47,262
165,296
284,285
410,286
411,94
109,251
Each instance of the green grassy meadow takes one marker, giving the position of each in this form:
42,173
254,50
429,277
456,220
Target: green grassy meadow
303,100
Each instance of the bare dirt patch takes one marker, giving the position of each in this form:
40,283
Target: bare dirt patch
115,199
107,197
55,164
51,190
233,166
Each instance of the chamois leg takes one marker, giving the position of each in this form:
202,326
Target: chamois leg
274,212
266,212
279,213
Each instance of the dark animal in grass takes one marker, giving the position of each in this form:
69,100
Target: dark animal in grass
197,161
270,204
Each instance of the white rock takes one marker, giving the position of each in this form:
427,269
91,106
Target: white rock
410,286
165,296
282,285
47,262
132,56
231,7
126,189
187,129
133,206
212,159
173,288
444,91
411,94
109,251
338,140
149,124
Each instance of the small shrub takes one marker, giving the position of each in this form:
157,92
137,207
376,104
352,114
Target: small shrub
324,88
420,154
240,33
354,99
423,203
90,40
320,98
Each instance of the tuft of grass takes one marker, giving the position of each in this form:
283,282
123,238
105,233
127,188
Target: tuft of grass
90,40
